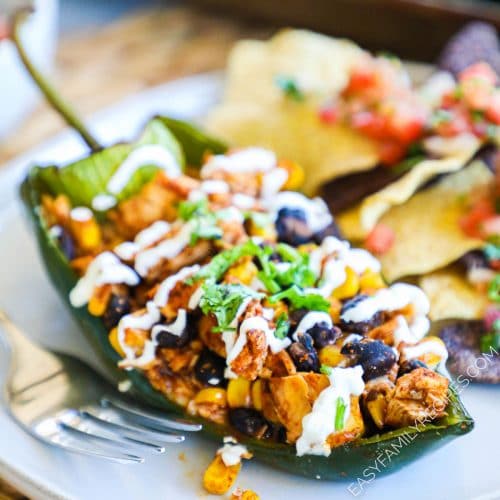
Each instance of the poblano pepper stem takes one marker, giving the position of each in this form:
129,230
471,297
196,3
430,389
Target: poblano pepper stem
50,93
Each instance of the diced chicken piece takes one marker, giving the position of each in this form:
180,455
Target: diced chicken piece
250,360
375,399
420,396
293,397
279,364
384,332
213,340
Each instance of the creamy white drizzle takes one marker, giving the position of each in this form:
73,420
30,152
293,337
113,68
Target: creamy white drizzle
272,182
143,321
248,160
427,346
163,292
55,231
393,298
316,211
309,320
320,423
352,337
106,268
232,452
149,154
102,202
176,328
143,239
194,300
166,249
402,332
81,214
449,146
243,201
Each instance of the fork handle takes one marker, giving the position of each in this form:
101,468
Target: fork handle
24,353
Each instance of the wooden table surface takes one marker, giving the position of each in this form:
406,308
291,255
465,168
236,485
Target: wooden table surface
99,68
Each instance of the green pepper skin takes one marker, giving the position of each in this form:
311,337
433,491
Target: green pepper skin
387,452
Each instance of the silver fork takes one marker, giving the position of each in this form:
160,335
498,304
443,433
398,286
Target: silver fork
61,401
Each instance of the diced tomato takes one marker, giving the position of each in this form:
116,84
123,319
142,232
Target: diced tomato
328,114
449,100
380,239
476,93
369,123
472,222
481,71
4,28
491,315
360,79
493,109
406,127
391,152
457,124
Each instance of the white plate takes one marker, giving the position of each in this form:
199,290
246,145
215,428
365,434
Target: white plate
466,468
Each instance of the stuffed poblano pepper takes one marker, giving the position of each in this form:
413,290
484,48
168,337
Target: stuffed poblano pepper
231,298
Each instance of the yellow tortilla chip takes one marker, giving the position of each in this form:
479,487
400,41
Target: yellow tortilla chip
358,222
451,296
255,111
428,235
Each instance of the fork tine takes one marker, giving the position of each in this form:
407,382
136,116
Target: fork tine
149,418
105,443
132,432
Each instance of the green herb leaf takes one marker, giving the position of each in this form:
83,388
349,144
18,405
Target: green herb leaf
189,209
289,87
300,300
494,289
205,229
490,341
339,414
326,370
282,326
408,163
223,302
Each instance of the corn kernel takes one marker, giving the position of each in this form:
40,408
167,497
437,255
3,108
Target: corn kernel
99,300
218,477
377,408
243,273
350,286
238,393
371,281
296,175
257,394
239,494
335,309
214,395
115,344
87,233
330,355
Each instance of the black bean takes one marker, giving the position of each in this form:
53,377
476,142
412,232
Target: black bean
118,306
66,244
473,260
167,339
291,226
248,421
209,369
303,354
360,327
410,365
276,432
374,356
324,334
331,230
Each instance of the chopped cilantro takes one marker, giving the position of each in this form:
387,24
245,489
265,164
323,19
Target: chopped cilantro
408,163
494,289
205,229
441,116
490,341
189,209
289,87
326,370
282,326
298,299
271,285
223,302
339,414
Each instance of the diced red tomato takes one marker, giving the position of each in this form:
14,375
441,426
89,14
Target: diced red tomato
493,109
476,93
380,239
481,71
391,152
361,78
328,114
369,123
406,127
4,28
457,124
491,315
472,223
449,100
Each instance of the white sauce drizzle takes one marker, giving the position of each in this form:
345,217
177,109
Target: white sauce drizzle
167,285
81,214
427,346
149,154
232,452
393,298
402,332
316,211
194,300
143,239
272,182
248,160
309,320
106,268
320,423
243,201
102,202
176,328
55,231
353,337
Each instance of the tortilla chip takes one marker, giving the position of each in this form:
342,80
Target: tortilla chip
427,231
452,296
362,219
255,111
